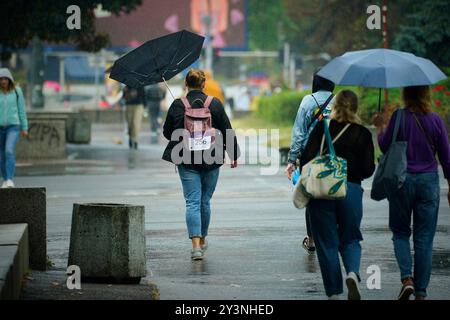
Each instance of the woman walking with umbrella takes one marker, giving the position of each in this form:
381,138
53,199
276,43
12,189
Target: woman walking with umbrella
419,196
198,178
425,134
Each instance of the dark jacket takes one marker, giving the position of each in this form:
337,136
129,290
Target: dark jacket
220,121
355,145
134,96
154,93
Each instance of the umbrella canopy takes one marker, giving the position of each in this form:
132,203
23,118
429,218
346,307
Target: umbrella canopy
381,68
158,60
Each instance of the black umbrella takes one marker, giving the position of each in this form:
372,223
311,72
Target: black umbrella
158,60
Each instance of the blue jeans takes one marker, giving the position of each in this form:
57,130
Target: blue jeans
336,229
8,139
419,197
198,188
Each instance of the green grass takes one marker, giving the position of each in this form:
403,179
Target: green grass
255,122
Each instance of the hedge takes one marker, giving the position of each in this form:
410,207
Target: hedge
280,108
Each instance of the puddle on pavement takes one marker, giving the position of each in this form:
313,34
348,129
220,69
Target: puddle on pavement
441,259
310,263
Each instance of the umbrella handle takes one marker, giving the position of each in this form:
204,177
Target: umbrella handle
168,88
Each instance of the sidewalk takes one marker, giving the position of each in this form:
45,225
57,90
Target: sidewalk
255,237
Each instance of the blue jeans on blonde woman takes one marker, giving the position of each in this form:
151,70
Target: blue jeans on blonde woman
336,229
9,136
198,188
418,198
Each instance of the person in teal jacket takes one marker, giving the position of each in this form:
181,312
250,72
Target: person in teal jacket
13,122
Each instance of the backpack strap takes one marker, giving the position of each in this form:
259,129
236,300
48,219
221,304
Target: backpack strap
208,101
320,110
186,103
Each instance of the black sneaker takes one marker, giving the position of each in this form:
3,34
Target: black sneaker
352,285
407,289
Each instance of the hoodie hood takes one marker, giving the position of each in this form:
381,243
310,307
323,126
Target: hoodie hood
322,84
5,73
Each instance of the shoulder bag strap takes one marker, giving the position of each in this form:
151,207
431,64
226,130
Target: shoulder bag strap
425,134
400,116
335,139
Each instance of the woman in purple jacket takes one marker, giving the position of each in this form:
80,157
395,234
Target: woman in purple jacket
419,196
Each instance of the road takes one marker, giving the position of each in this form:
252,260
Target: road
255,236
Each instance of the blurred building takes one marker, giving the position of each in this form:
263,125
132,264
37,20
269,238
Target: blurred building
155,18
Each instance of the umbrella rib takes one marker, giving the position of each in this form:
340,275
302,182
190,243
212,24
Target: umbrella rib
185,57
133,72
176,69
171,61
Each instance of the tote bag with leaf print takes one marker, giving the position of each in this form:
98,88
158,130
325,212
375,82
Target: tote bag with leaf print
325,176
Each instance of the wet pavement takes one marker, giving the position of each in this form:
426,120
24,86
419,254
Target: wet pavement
255,236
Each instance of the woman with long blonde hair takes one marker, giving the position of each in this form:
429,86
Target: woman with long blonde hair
336,223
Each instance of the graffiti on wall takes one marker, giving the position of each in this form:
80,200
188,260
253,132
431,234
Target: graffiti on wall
45,134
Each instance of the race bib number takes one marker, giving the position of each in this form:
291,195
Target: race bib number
200,143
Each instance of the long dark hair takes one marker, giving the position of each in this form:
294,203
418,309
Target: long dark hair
417,99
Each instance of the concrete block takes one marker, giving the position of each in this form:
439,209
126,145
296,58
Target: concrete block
10,272
3,288
103,115
28,205
107,242
13,259
46,137
17,235
78,129
6,283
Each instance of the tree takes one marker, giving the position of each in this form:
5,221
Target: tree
38,21
426,31
337,26
265,21
23,20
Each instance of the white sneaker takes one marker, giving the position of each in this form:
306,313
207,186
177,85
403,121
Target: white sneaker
9,184
352,285
4,185
333,297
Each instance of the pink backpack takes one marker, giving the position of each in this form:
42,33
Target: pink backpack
199,133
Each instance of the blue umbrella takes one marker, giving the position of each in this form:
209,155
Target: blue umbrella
381,68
